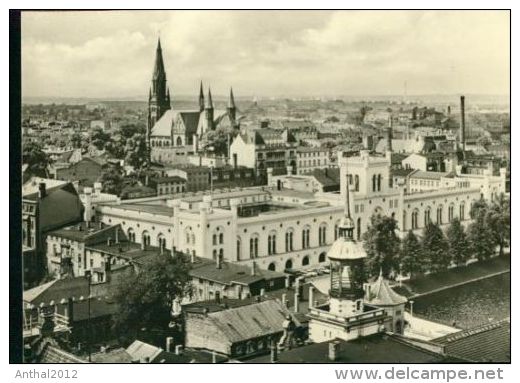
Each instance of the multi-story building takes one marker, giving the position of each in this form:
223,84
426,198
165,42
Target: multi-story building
265,148
279,229
309,159
45,209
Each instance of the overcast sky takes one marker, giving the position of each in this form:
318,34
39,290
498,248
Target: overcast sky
322,53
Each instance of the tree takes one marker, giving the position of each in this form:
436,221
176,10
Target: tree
411,257
381,244
99,138
435,248
76,140
217,140
480,239
128,130
112,180
498,219
478,209
145,298
36,159
458,242
136,151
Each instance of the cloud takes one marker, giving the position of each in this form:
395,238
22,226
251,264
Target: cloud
267,53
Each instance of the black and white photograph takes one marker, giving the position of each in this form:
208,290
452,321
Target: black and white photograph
261,187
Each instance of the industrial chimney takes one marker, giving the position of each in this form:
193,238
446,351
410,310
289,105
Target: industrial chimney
462,124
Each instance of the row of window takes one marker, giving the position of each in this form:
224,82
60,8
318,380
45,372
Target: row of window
439,216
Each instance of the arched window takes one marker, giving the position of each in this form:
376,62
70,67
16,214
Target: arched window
179,141
272,266
451,208
239,248
271,243
288,264
358,228
374,180
439,215
305,261
322,257
131,235
462,216
253,246
214,239
415,219
221,254
379,178
356,183
214,254
289,235
221,238
322,234
161,241
427,217
306,237
145,238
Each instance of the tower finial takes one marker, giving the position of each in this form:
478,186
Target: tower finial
231,103
209,101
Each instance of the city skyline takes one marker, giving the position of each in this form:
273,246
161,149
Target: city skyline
410,52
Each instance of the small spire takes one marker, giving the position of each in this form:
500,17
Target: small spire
231,103
201,97
209,101
158,70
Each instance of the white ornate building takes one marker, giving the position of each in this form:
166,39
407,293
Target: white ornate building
288,229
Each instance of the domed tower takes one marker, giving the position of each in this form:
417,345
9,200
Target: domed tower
347,276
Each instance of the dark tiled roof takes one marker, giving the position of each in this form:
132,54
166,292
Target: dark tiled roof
152,209
129,250
92,234
161,180
56,291
328,177
486,343
372,349
191,121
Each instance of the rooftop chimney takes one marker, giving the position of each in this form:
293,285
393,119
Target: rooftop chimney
169,344
334,348
42,192
274,352
462,124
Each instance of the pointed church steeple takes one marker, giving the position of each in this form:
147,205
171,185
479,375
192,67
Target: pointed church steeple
201,97
232,109
209,111
209,101
159,96
158,69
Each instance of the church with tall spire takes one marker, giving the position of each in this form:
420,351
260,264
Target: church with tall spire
170,132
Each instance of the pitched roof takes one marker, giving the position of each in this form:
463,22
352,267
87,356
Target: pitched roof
490,342
140,350
429,175
251,321
53,354
382,294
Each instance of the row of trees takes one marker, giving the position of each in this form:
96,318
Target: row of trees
435,250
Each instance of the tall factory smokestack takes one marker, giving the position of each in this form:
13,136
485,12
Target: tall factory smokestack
462,124
389,134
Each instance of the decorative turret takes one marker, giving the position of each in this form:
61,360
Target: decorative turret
209,110
346,256
201,98
231,108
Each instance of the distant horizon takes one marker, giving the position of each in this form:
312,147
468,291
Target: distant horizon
303,54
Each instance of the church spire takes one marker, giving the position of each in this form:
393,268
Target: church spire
201,97
158,70
231,103
232,109
209,101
